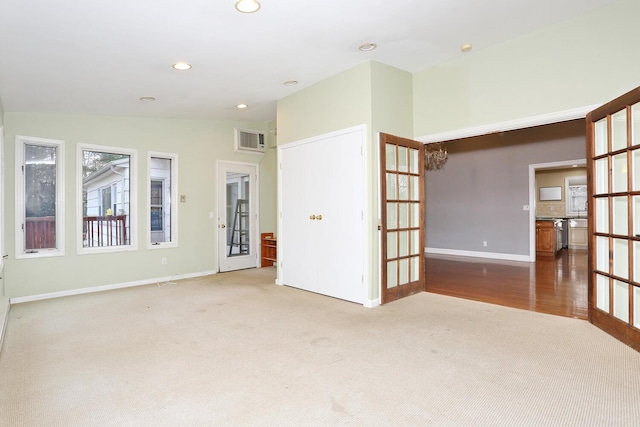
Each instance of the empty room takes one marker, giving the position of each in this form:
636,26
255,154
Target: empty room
249,212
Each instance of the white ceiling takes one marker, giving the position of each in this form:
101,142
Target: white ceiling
100,57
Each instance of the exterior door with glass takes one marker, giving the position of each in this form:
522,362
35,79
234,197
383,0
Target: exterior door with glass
613,151
237,216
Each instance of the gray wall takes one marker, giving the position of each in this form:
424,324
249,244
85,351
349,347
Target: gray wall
479,194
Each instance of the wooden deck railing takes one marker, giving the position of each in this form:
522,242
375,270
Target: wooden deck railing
40,232
105,230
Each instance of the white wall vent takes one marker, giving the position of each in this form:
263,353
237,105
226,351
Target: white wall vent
250,141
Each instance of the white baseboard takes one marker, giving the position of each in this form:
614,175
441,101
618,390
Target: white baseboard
475,254
18,300
371,303
4,317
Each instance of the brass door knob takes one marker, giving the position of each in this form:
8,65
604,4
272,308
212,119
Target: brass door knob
319,217
222,226
312,217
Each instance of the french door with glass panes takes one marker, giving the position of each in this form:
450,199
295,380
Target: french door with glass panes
613,151
402,198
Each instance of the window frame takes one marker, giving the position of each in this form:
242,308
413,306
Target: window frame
173,198
133,199
21,142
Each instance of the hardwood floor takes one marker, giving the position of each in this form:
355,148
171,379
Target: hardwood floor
555,286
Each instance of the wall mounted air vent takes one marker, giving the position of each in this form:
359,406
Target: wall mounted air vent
250,141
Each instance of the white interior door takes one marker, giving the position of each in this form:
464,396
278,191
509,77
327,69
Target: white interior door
321,235
237,216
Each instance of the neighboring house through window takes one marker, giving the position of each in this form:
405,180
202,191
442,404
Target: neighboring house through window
39,197
163,184
107,214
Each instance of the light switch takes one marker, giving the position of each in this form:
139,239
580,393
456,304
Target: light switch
183,198
525,207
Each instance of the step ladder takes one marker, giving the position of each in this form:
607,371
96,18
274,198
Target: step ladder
240,229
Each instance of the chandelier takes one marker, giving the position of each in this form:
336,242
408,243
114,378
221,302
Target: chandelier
435,156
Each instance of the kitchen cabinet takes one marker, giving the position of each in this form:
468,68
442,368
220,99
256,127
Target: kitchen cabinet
548,238
578,235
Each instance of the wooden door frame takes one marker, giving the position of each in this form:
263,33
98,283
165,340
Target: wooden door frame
400,291
622,331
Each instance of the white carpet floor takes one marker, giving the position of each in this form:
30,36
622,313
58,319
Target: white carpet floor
236,350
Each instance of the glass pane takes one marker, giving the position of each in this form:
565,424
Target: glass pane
404,272
413,161
403,161
392,190
621,300
40,197
392,216
635,124
636,307
636,216
621,258
391,157
392,245
415,214
415,242
620,216
160,199
404,215
415,268
602,176
636,263
619,173
602,254
105,197
403,187
415,187
602,215
602,293
635,159
601,141
392,274
238,214
619,130
404,243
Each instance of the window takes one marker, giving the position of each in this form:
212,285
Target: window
576,195
163,185
107,220
39,197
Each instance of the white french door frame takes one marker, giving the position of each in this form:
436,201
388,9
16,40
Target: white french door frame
251,260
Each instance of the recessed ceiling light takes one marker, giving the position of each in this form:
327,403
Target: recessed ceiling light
241,106
366,47
182,66
147,98
291,83
247,6
466,47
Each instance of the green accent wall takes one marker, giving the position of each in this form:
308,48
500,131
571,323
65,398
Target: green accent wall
198,143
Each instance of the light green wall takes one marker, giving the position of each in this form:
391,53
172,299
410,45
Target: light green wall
339,102
198,143
577,63
373,94
269,182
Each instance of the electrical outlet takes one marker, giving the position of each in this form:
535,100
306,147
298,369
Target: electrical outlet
163,261
484,243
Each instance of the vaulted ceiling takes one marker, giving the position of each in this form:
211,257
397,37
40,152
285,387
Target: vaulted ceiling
101,57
